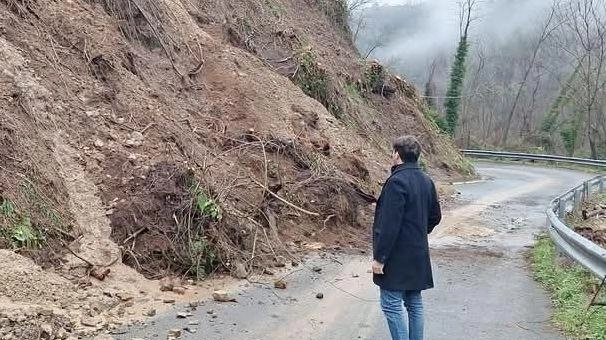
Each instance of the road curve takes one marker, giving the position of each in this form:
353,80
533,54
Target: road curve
484,288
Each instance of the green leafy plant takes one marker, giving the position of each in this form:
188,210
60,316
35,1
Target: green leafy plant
455,87
204,257
25,236
207,206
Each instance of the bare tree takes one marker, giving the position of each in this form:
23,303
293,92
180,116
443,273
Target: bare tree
547,30
584,40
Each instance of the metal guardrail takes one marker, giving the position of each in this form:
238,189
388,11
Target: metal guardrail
580,249
535,157
585,252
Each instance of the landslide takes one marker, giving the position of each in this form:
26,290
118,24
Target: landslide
186,137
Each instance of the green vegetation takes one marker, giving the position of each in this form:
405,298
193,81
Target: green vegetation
337,11
17,228
315,82
352,91
205,205
434,119
373,78
455,87
570,286
203,257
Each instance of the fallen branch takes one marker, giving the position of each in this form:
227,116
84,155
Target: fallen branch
283,200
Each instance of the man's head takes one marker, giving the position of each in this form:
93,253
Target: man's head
407,149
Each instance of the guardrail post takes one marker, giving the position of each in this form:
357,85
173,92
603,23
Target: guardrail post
578,199
561,208
586,193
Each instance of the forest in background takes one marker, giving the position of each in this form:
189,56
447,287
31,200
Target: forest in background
534,72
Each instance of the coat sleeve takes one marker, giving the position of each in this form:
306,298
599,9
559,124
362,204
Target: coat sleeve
435,212
388,219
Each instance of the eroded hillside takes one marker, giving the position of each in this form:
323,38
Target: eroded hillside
185,137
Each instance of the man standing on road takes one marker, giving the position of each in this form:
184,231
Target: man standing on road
407,211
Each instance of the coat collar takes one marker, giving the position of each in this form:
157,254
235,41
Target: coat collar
403,166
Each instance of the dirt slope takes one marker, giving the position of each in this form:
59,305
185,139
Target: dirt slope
182,137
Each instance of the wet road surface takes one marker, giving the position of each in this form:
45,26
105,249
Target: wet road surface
484,288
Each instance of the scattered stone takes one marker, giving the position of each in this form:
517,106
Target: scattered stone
100,273
179,290
150,312
167,284
317,269
210,311
46,330
123,296
168,300
280,284
294,263
175,333
99,143
314,245
194,323
319,296
355,275
89,322
240,271
267,271
193,305
182,315
190,330
136,139
222,296
214,316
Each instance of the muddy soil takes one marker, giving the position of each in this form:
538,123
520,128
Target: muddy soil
484,287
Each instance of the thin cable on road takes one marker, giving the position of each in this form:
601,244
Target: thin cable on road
352,294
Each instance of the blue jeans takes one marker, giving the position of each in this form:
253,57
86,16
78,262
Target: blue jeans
392,304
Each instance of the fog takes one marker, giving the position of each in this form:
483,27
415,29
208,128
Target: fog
435,33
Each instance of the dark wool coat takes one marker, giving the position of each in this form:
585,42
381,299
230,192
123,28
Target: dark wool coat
407,211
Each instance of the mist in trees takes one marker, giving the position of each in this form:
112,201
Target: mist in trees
534,70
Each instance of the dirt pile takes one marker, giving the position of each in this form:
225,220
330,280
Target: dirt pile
590,220
189,137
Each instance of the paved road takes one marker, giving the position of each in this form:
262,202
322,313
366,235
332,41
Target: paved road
484,289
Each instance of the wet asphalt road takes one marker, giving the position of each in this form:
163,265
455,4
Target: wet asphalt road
484,288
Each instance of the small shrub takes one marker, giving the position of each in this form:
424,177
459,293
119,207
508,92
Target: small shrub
374,78
204,257
206,206
315,82
24,235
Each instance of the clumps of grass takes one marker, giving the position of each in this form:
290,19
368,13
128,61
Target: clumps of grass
16,228
570,287
315,81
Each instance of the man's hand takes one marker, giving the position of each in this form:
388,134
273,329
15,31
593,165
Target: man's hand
377,267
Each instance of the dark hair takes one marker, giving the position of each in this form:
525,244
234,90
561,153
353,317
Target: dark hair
408,147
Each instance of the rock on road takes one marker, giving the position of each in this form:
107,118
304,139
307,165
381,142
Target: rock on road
484,288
